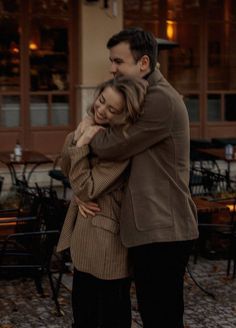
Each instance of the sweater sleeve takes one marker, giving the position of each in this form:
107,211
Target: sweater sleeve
89,181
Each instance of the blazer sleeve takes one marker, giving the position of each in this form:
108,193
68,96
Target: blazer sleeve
153,126
89,182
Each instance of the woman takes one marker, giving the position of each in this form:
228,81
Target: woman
101,282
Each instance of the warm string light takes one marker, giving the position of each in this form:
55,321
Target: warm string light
33,46
231,207
170,30
4,223
14,49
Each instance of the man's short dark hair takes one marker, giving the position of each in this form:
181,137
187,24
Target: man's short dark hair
141,43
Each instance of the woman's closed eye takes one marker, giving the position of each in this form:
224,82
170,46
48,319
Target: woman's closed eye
111,109
109,104
114,111
102,99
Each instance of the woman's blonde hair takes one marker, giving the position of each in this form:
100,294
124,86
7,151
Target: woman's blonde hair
133,89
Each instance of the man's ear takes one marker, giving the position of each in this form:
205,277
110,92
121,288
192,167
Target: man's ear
144,63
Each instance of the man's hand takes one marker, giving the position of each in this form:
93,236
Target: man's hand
88,208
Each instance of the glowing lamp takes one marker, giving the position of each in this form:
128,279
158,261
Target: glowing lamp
33,46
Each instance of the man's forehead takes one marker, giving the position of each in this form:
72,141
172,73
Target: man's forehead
116,57
122,46
120,50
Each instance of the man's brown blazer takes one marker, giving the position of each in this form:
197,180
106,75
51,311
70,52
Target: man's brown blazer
157,206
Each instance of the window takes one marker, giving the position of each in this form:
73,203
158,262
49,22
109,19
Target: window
37,98
48,54
214,108
9,64
230,107
45,48
192,104
141,13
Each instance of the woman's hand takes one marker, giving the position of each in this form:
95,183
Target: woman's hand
83,125
87,208
88,135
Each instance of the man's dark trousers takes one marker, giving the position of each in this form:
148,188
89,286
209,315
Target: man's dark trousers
159,270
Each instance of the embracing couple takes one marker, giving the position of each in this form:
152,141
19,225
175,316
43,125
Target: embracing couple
131,216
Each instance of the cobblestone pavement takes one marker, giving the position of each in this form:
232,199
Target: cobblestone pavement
202,311
21,307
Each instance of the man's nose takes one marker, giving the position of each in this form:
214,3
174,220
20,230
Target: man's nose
113,68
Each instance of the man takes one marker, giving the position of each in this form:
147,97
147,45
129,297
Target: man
158,219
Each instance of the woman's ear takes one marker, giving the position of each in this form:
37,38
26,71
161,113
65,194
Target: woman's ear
144,63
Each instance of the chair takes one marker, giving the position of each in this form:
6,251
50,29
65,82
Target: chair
20,203
217,237
222,142
32,257
205,182
31,252
200,159
228,233
56,174
232,256
53,207
1,183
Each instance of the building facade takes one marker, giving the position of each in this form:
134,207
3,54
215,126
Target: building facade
53,53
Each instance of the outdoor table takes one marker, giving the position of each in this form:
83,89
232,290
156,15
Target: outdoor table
28,158
11,225
206,206
215,219
219,154
206,209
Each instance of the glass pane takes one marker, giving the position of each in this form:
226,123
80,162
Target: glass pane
184,61
214,108
49,8
215,9
7,7
221,56
132,6
150,8
152,26
192,104
49,46
60,110
180,9
141,9
9,47
39,110
230,107
142,13
231,56
221,10
10,111
233,14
